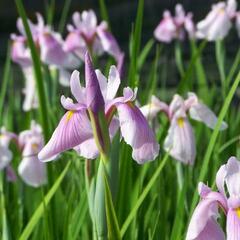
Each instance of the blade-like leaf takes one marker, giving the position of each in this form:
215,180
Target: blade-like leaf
40,210
112,222
141,198
42,97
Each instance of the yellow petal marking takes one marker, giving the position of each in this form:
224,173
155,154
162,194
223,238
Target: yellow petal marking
69,116
180,122
238,211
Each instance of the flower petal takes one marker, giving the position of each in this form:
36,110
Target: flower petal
77,91
233,177
95,99
233,225
73,129
32,171
113,83
180,141
204,219
137,133
202,113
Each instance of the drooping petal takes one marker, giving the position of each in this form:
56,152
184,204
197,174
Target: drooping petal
180,141
203,224
32,171
88,149
200,112
233,225
73,129
137,133
95,100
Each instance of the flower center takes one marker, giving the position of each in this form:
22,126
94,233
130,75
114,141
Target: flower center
180,122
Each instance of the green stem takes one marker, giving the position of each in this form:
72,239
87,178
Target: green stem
37,72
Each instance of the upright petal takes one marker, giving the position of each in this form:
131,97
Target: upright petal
73,129
137,133
233,177
151,109
113,83
77,91
95,99
31,99
166,30
180,141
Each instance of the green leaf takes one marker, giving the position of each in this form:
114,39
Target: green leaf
135,44
64,14
112,222
144,53
40,210
42,97
141,198
104,13
6,77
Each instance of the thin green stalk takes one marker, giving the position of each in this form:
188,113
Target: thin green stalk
63,18
213,138
42,98
5,235
179,58
220,57
6,76
141,198
104,13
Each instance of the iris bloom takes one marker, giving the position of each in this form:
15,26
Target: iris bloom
50,47
175,27
75,131
6,154
203,224
218,22
85,35
31,170
180,140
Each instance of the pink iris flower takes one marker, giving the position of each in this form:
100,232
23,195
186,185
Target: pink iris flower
31,170
85,35
6,154
175,27
203,224
180,140
218,22
50,47
75,131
